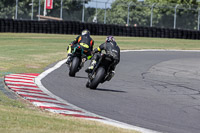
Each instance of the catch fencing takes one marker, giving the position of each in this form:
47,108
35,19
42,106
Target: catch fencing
136,13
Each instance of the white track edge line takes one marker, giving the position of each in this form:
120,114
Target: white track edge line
22,75
160,50
22,87
20,83
20,80
106,121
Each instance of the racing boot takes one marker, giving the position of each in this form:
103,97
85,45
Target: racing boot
111,75
83,61
69,58
91,67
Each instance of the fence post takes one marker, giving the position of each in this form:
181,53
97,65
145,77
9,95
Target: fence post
61,8
45,10
32,11
83,12
105,12
152,14
16,10
198,18
128,13
96,12
175,15
39,10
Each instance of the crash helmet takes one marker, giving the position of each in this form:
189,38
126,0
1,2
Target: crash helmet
110,39
85,32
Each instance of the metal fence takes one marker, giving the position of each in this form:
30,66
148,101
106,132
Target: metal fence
96,11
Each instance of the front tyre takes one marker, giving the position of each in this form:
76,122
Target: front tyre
74,66
98,78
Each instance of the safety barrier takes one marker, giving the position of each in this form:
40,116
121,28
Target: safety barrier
73,27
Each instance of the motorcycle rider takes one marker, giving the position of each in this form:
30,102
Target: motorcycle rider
111,48
84,40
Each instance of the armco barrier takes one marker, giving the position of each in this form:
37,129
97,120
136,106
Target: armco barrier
74,27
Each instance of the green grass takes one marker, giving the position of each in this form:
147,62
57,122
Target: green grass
16,117
31,53
157,43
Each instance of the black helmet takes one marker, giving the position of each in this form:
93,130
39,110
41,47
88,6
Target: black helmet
85,32
110,39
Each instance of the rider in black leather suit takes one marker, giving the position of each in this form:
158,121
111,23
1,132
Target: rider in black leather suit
111,48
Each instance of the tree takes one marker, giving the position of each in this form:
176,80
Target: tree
118,13
163,13
187,13
71,9
7,9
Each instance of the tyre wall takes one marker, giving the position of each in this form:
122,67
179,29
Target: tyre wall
73,27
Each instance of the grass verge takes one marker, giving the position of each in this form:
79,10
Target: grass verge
22,53
31,53
17,116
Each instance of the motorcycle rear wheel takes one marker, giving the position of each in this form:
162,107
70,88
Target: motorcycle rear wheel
74,66
98,78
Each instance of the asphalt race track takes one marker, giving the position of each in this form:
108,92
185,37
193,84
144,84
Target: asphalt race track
158,90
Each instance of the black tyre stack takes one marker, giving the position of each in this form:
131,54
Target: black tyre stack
75,27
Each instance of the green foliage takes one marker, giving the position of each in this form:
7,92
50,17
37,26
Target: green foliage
119,10
70,7
163,13
186,2
88,13
6,8
187,13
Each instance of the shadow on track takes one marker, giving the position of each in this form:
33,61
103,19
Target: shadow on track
109,90
80,77
101,89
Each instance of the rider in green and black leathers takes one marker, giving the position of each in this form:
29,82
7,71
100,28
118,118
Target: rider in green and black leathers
111,48
84,40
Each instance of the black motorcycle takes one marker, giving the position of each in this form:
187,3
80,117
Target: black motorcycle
101,71
77,61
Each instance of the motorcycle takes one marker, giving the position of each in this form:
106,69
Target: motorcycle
101,72
77,61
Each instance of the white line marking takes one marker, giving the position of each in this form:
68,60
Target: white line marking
22,87
30,91
160,50
19,80
18,77
19,83
22,76
31,94
49,104
64,112
45,100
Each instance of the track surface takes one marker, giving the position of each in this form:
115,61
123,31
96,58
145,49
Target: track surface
155,90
